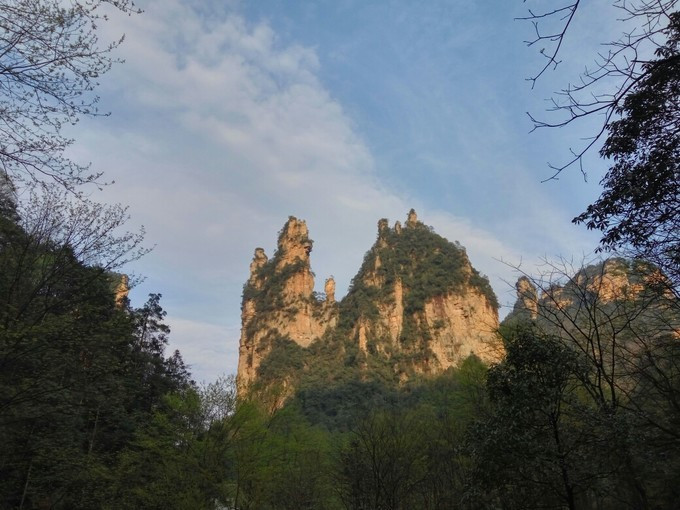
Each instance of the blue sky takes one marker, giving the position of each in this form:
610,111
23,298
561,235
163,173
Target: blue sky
227,117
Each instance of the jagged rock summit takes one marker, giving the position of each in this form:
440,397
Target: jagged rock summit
416,307
598,285
279,300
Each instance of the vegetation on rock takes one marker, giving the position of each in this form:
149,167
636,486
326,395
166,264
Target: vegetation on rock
380,331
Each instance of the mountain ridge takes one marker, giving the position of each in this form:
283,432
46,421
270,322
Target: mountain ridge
416,307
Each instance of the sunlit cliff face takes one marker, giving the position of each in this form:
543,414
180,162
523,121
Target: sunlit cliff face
416,299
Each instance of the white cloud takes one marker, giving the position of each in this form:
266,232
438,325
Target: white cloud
220,131
204,347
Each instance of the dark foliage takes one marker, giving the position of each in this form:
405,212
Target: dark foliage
285,357
339,407
575,398
79,374
640,204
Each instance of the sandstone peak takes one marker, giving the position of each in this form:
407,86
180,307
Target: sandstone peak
294,242
525,287
279,302
609,281
527,296
412,219
122,289
329,289
416,306
616,279
383,227
259,260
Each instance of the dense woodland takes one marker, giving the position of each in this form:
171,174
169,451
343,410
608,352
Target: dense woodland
583,412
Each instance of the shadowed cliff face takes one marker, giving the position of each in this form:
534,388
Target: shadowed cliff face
417,306
610,283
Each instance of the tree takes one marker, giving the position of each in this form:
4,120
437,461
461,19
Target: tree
50,61
154,375
278,460
604,85
384,463
640,204
620,325
166,465
534,450
635,87
79,372
218,399
62,345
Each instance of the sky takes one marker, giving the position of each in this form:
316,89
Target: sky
227,117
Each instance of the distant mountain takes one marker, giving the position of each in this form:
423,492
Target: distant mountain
566,296
619,317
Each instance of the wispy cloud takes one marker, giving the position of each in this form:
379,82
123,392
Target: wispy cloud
220,131
204,347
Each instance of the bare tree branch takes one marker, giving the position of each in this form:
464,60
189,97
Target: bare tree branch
619,69
50,61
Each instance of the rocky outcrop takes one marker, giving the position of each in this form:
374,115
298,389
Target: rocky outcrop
611,281
463,325
527,298
412,219
417,305
279,301
329,290
432,306
120,285
259,260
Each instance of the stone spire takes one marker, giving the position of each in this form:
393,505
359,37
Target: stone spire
278,301
527,296
122,290
383,231
329,289
383,226
294,242
412,219
259,260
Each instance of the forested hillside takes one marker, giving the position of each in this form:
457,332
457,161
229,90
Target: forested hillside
82,373
406,393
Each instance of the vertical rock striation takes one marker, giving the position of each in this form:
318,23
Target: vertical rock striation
417,306
279,301
428,307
